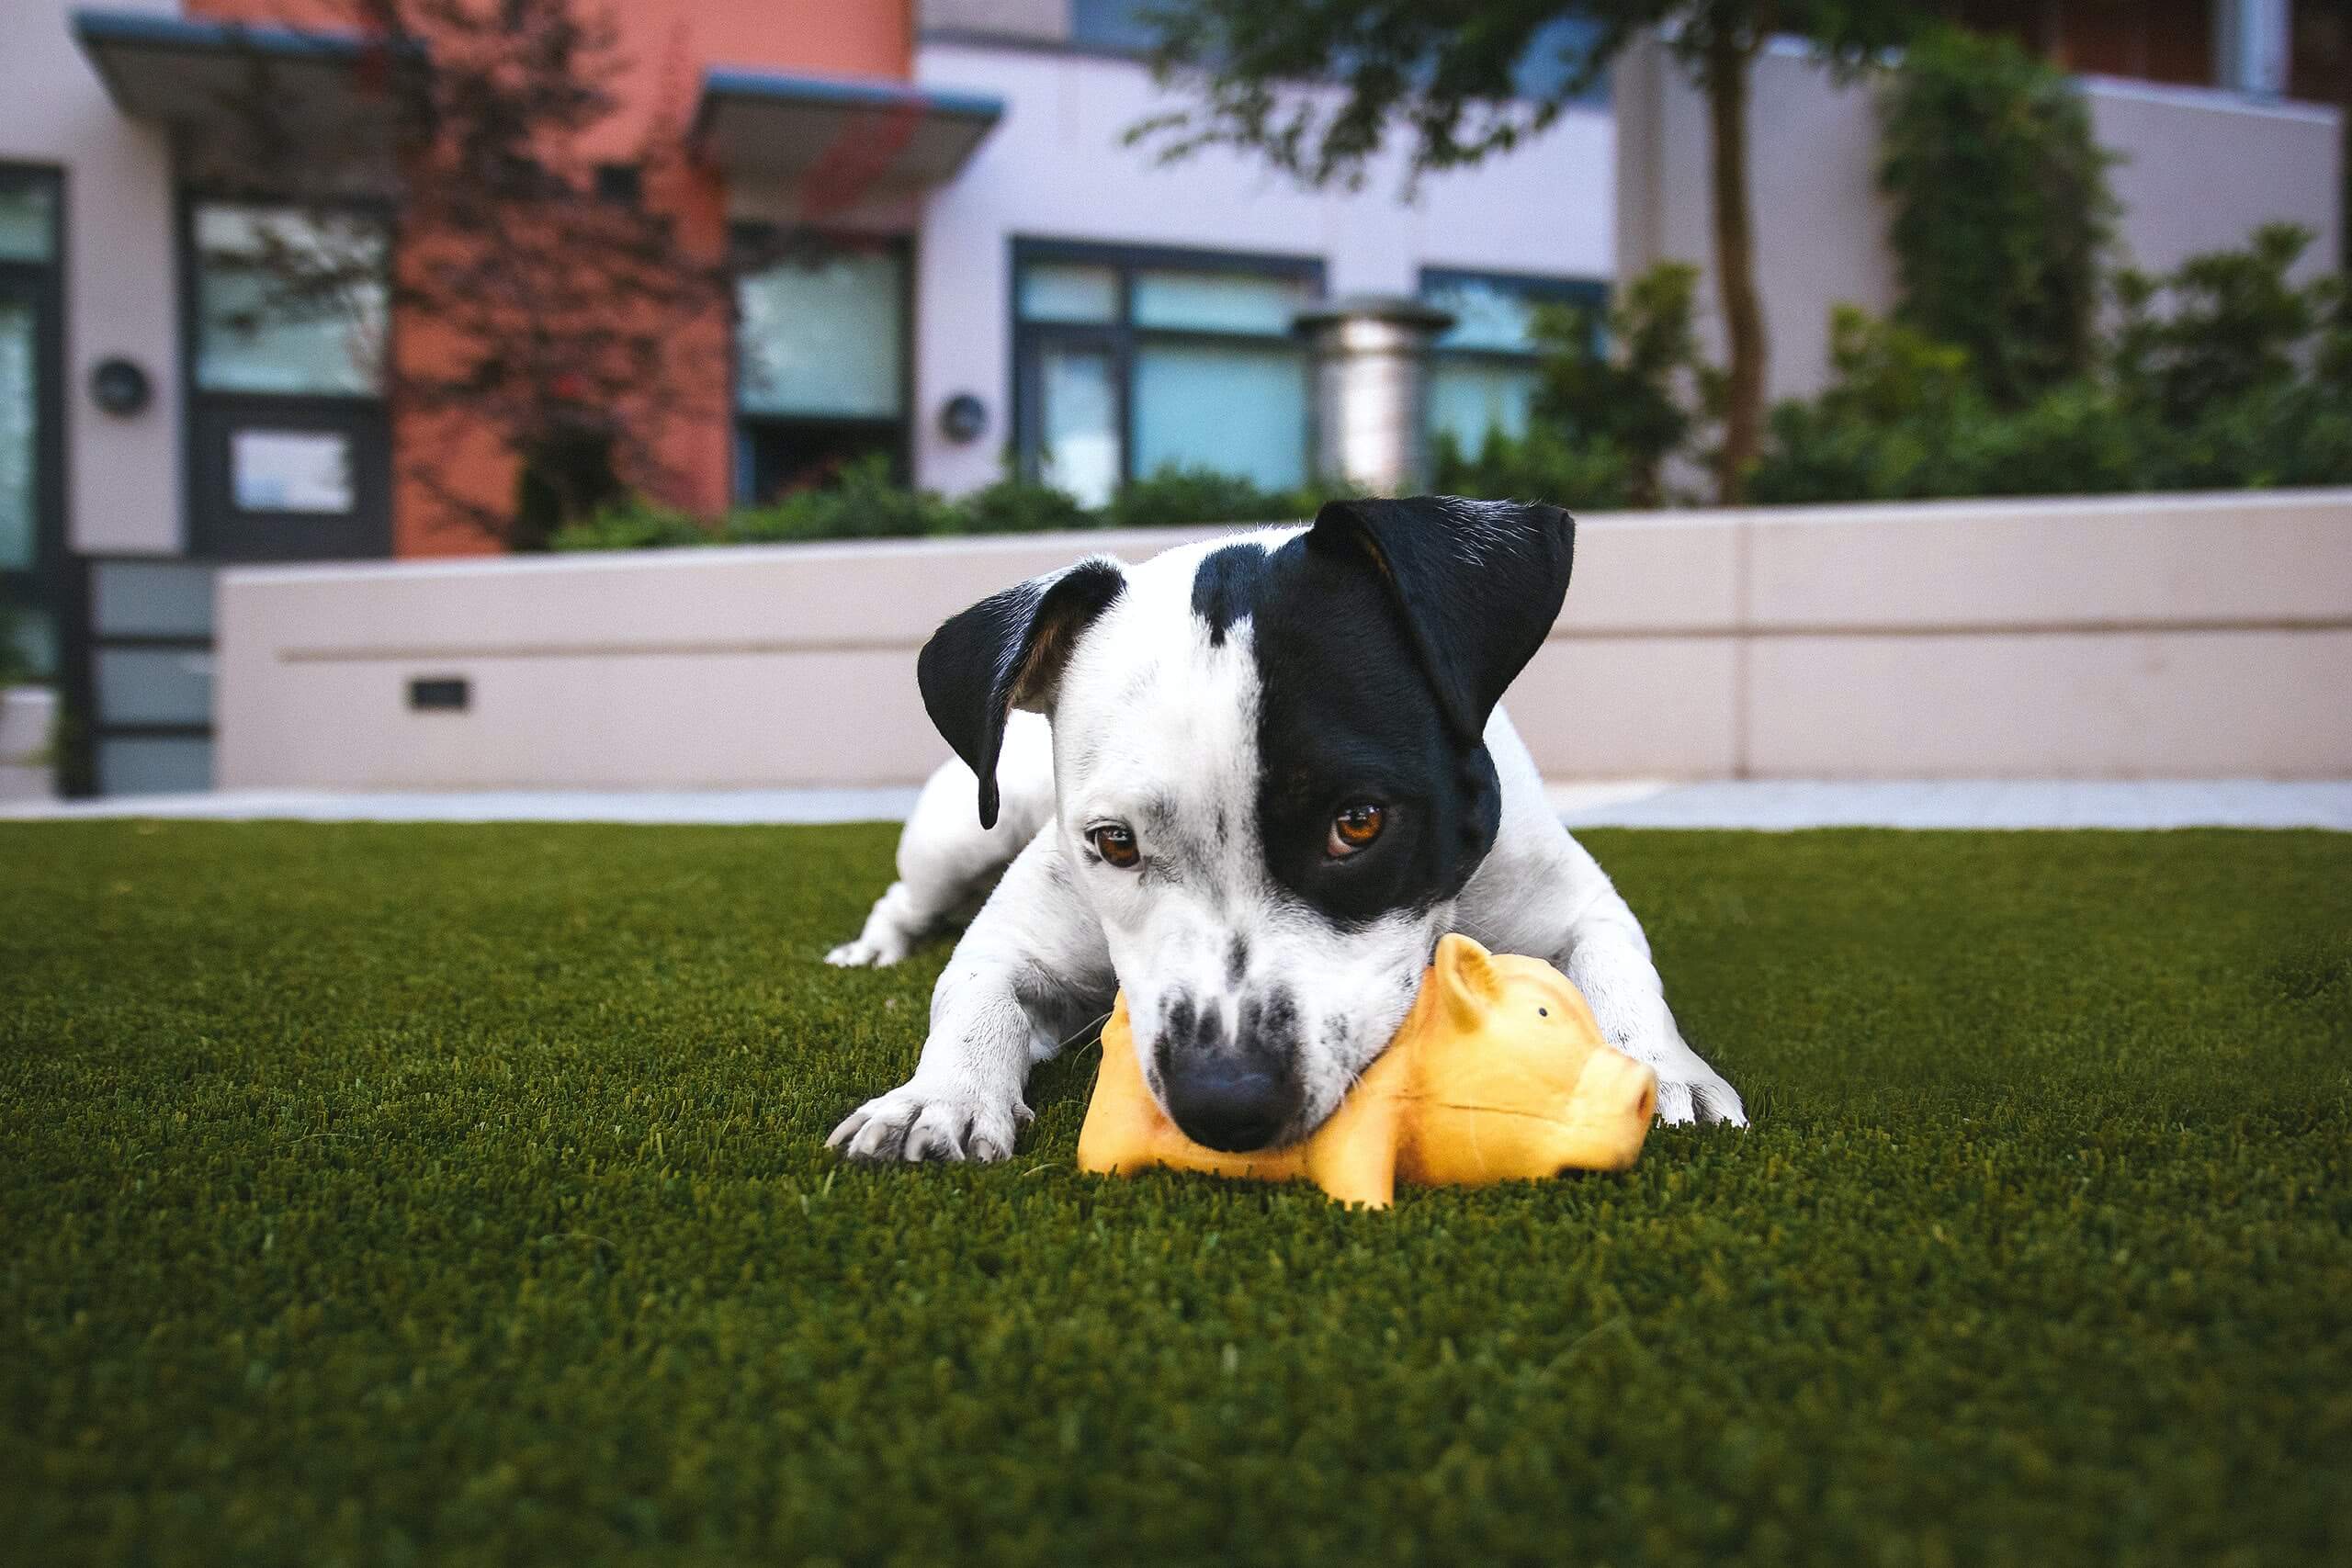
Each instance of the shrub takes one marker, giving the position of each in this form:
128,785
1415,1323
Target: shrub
15,668
633,525
1543,465
2223,374
2002,211
1017,505
1174,496
1629,387
865,503
2236,323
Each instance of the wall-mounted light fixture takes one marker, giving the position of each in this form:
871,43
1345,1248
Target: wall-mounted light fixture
121,387
963,418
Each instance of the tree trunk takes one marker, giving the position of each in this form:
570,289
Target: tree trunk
1728,61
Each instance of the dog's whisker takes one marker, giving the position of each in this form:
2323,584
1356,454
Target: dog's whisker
1083,1029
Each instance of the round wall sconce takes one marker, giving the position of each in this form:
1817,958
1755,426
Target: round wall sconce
963,418
121,387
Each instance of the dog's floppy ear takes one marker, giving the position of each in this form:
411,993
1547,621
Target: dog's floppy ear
1480,583
1008,651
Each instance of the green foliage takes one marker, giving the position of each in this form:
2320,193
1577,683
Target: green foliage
14,667
2236,324
457,1195
1448,81
633,525
867,505
2002,211
1175,496
864,502
1017,505
2223,374
1610,409
1547,464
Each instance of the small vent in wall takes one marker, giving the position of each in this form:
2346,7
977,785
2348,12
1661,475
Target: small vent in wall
440,693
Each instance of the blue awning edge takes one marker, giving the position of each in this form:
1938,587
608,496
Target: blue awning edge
787,125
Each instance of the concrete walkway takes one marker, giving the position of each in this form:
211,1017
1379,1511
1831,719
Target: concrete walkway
1776,805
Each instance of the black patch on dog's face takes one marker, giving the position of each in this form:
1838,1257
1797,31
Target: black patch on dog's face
1221,587
1347,714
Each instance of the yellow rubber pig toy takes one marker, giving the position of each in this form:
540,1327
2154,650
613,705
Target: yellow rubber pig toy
1498,1074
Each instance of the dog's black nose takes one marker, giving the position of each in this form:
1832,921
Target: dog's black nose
1231,1103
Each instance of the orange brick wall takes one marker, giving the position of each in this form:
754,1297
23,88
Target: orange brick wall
666,45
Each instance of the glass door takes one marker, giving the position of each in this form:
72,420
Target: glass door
290,453
32,528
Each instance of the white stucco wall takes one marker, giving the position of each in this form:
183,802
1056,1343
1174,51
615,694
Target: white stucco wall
121,297
1057,167
2084,638
2198,170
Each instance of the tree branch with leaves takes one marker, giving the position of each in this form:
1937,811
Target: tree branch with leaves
1320,87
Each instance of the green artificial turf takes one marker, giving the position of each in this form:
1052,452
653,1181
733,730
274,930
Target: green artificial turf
456,1195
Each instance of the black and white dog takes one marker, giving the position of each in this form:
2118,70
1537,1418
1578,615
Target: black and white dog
1276,774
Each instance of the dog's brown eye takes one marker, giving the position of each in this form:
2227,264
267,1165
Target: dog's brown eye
1353,827
1116,844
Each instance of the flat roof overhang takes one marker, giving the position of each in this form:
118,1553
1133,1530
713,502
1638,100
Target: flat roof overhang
882,137
223,79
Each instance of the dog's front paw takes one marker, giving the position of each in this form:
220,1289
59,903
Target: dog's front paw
1687,1090
1704,1098
867,953
917,1122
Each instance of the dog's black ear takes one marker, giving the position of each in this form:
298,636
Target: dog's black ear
1480,583
1008,651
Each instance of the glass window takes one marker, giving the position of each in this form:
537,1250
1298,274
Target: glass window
1051,293
1236,410
154,685
825,339
19,434
35,630
1467,400
292,470
28,219
1130,363
1555,56
1218,301
1121,25
1482,375
289,302
1487,313
1078,414
151,598
153,765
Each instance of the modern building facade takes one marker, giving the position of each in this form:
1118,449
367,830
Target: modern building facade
1004,280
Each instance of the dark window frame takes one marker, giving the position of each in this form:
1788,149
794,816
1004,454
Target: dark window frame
364,418
1120,337
754,247
46,582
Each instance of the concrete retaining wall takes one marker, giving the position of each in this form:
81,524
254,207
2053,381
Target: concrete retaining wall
2125,638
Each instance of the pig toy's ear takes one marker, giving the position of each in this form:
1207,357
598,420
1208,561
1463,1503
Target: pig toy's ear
1466,982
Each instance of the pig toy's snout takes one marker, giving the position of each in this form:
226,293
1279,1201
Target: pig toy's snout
1611,1110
